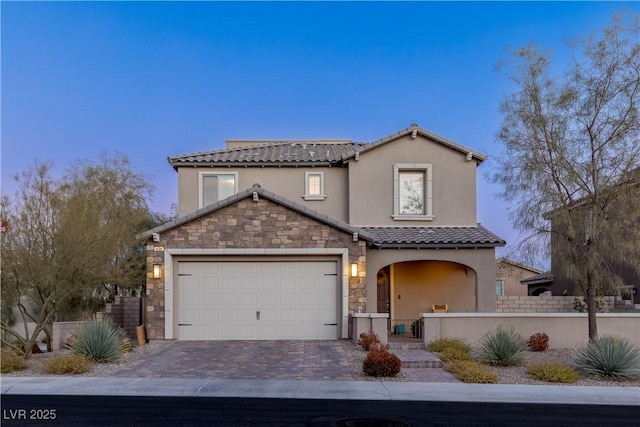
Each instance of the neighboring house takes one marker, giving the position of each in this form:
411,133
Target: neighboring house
509,276
558,283
541,284
286,239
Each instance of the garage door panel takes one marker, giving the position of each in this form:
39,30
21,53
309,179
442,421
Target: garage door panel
269,300
288,316
220,300
209,316
247,300
287,299
209,300
191,316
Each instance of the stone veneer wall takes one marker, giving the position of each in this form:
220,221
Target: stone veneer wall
125,312
250,225
544,304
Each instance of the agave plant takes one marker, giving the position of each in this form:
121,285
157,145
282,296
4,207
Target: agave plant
504,346
609,357
99,341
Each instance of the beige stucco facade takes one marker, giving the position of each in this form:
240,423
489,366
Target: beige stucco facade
288,182
453,184
360,199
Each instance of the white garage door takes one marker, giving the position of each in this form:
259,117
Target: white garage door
257,300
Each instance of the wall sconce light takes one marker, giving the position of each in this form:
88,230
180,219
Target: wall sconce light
157,271
354,270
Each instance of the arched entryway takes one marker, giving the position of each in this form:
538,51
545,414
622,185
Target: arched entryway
407,289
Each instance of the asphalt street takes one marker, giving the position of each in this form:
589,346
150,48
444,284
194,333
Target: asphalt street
80,410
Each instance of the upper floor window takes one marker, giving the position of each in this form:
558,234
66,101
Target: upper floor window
215,186
314,186
412,191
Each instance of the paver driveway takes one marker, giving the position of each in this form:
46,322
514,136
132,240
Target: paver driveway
290,360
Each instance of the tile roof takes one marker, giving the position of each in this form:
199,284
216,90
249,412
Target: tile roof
415,130
382,237
518,264
432,237
300,152
545,277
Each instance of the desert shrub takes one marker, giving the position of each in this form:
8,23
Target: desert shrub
503,347
450,354
609,357
126,345
471,372
378,346
538,341
367,339
381,364
552,372
67,365
100,341
10,361
439,345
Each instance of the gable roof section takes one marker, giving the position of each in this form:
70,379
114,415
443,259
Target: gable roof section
305,153
432,237
340,225
416,130
505,260
289,153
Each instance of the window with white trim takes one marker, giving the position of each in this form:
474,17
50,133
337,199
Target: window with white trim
216,186
314,186
412,191
499,287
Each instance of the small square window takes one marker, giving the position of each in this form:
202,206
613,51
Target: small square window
314,186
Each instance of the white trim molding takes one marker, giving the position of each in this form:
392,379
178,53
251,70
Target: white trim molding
428,190
214,172
307,194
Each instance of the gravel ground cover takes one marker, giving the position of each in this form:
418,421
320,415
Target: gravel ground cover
355,356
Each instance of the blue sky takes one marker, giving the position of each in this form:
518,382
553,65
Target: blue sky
153,79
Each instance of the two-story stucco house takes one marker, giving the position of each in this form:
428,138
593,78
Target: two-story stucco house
287,239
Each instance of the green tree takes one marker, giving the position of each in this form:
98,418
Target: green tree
571,153
71,243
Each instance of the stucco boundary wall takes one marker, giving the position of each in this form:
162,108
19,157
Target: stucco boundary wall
546,304
370,322
565,330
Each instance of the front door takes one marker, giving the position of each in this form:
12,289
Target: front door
383,290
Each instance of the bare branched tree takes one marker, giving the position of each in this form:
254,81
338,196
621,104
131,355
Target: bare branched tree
572,152
70,243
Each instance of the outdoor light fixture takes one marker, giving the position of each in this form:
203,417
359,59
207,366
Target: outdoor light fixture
157,271
354,270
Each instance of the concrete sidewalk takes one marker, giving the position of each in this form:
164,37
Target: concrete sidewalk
321,389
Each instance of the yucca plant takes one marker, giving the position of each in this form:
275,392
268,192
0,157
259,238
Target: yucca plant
99,341
609,357
504,346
